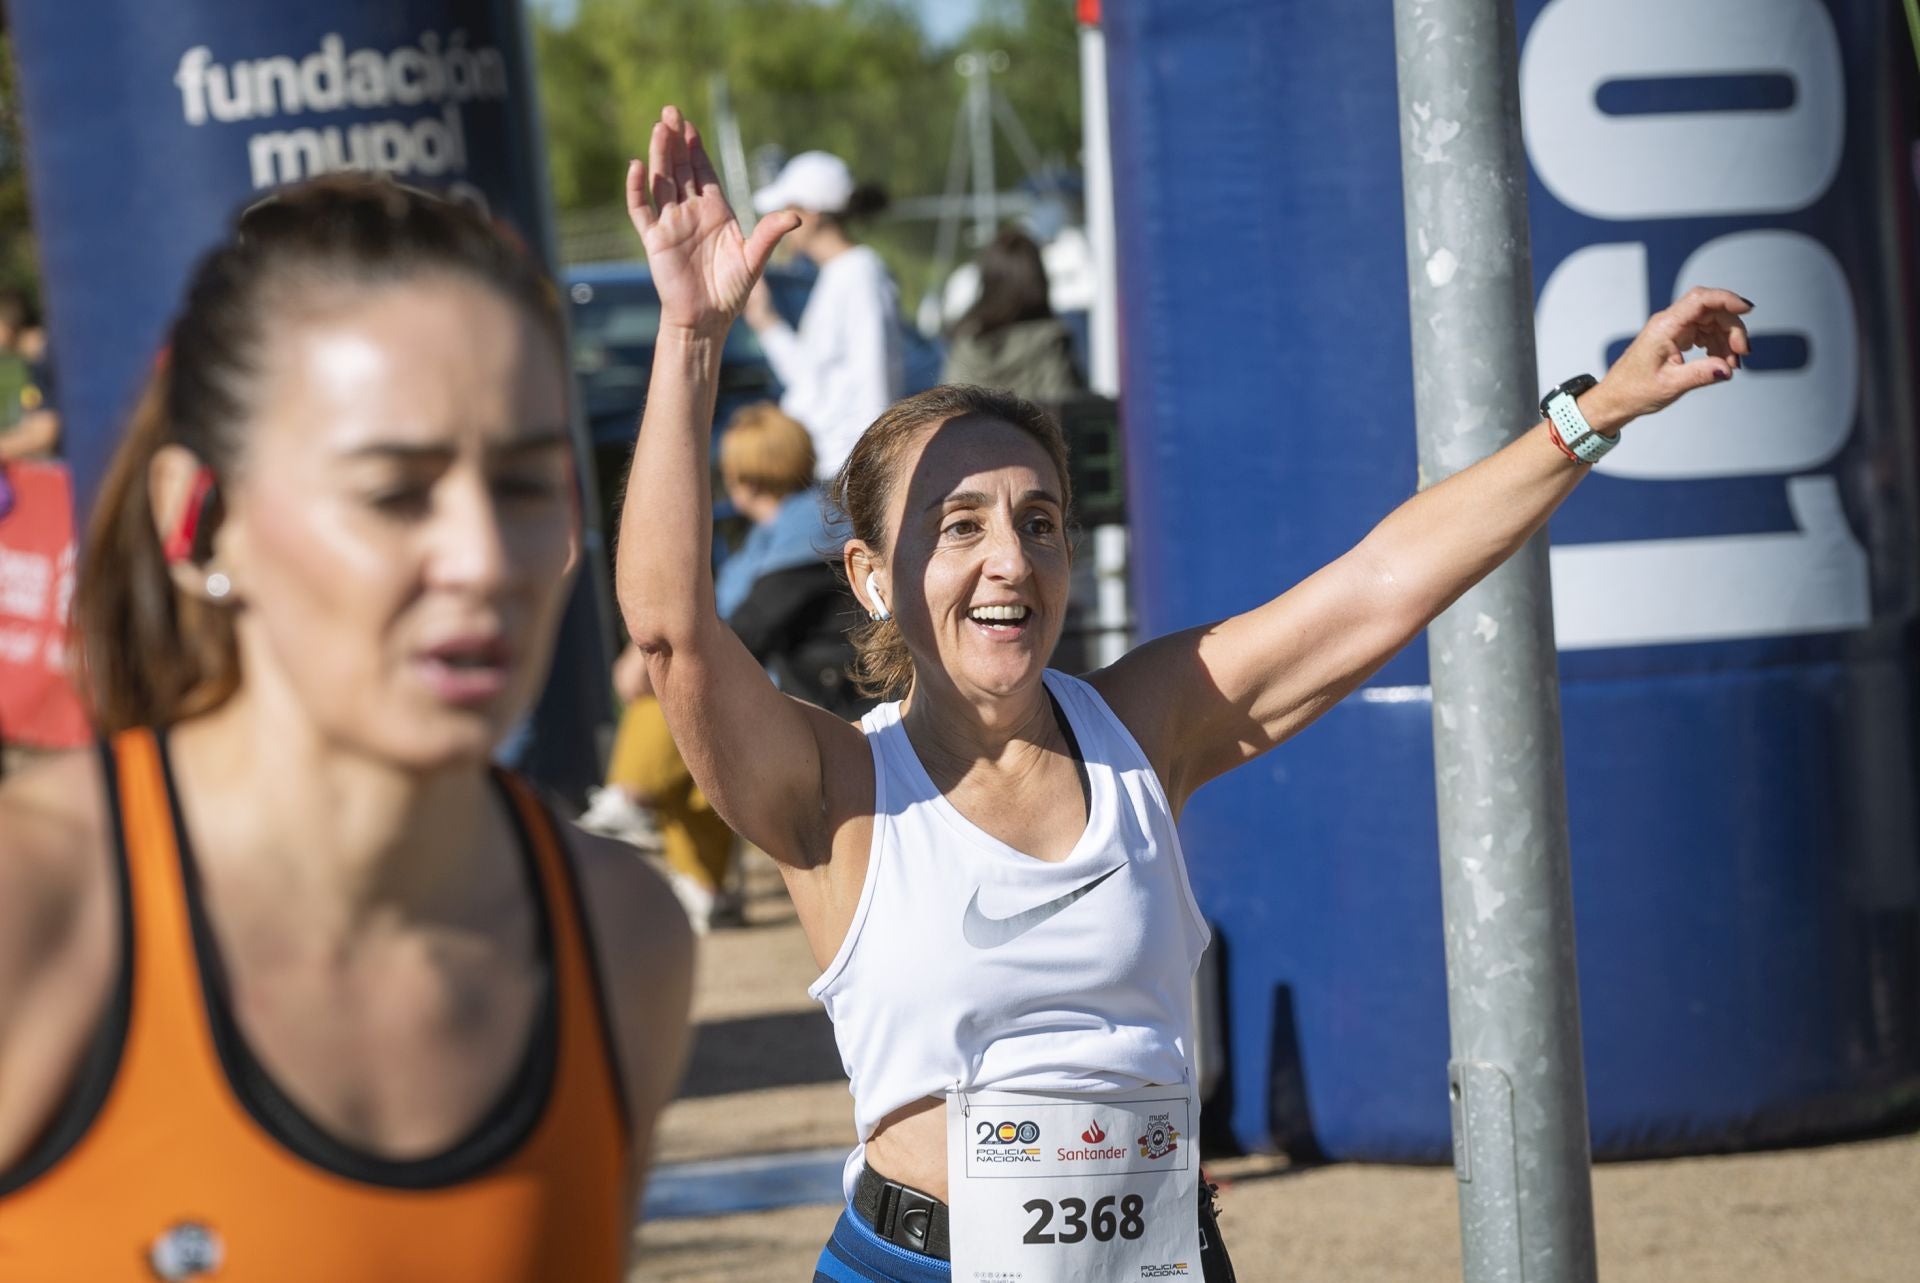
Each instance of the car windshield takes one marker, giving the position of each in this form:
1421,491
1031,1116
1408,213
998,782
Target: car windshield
615,325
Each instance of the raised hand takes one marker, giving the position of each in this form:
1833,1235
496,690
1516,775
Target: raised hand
1654,371
703,266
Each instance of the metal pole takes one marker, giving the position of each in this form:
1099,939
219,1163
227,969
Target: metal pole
1516,1077
1103,330
977,68
1103,327
733,152
946,241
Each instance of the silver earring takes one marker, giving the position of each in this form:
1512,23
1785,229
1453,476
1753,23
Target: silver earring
218,585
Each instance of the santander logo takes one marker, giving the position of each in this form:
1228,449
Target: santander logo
1094,1153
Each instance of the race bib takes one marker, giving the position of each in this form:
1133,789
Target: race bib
1047,1188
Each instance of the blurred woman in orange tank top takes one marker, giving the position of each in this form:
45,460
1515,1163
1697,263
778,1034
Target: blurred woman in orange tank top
293,984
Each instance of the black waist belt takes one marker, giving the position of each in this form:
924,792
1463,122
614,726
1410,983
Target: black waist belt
902,1215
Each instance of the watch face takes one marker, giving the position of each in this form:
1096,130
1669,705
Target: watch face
1574,386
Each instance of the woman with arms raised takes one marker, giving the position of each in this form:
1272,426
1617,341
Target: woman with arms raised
988,870
293,983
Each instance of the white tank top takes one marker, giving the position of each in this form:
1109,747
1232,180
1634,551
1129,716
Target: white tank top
970,964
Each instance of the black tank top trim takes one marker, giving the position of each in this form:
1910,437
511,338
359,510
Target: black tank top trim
1073,748
494,1138
93,1081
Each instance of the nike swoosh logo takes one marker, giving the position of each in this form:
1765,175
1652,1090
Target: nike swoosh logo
983,932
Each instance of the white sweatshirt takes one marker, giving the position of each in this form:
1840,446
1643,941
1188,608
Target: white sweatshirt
843,367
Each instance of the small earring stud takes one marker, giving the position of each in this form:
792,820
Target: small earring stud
218,585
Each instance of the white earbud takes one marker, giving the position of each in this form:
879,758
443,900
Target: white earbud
880,611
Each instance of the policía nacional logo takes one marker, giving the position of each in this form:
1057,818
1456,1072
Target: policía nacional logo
1161,1137
1006,1142
185,1251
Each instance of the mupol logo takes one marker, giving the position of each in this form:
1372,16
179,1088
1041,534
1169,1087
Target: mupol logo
1161,1137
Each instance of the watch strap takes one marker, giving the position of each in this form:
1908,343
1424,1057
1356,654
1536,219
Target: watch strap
1574,432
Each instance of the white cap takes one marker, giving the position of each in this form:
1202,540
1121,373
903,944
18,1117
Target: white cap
814,180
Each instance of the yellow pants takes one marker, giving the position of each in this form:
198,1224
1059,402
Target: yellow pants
647,766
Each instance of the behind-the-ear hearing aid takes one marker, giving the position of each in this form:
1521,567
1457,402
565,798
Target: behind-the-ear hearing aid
192,537
880,611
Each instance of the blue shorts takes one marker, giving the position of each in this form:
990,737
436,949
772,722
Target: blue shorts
855,1254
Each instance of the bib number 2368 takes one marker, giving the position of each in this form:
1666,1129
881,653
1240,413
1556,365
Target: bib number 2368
1066,1188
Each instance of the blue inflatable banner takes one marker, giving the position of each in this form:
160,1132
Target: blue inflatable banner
151,124
1734,591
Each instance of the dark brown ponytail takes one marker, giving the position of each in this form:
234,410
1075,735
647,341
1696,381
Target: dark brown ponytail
150,655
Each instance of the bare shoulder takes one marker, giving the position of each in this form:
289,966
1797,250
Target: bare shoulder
59,949
644,947
54,839
1149,687
632,908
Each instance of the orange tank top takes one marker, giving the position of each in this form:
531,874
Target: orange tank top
175,1157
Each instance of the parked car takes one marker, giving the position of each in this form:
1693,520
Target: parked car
615,320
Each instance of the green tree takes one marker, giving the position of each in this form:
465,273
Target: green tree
850,76
1041,39
854,77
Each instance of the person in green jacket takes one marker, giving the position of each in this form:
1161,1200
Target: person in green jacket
1010,338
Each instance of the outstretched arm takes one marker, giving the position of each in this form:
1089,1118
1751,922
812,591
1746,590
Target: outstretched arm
1202,701
753,750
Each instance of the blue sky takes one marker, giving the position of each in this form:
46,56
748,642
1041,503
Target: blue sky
943,19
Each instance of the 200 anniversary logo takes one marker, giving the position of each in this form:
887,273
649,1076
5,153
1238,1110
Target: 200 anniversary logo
1006,1142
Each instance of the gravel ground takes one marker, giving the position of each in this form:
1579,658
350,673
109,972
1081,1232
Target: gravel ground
765,1078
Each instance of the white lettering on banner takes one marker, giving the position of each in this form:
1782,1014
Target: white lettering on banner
1767,422
331,79
1813,579
18,644
429,146
25,580
1682,164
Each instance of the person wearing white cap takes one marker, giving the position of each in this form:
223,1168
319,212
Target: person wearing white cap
843,366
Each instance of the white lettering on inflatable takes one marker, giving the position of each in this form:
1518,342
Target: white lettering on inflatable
323,76
1767,422
429,147
367,79
332,78
1808,580
1692,163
